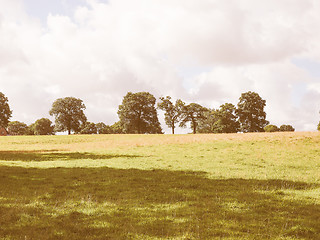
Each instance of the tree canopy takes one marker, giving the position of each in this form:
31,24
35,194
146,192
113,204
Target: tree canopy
271,128
17,128
192,113
222,120
89,128
286,128
173,112
138,114
208,124
43,126
227,119
117,128
252,116
68,113
102,128
5,112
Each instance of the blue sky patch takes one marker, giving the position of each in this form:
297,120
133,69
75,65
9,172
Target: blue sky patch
312,67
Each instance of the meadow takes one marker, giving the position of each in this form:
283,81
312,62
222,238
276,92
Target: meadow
210,186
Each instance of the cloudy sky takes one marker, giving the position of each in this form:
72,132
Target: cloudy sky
204,51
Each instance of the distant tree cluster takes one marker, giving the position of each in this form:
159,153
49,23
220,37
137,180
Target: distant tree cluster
69,116
249,116
138,115
283,128
42,126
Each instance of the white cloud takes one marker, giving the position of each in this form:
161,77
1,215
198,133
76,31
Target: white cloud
104,49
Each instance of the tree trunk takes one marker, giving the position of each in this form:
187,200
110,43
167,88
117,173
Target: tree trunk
172,130
194,127
139,131
69,127
139,125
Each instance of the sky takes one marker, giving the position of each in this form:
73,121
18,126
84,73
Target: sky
203,51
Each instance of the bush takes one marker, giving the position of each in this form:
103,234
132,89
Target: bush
318,126
286,128
271,128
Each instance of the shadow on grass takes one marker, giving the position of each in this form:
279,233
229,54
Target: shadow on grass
106,203
54,155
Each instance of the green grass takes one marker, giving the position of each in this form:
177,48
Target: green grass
232,186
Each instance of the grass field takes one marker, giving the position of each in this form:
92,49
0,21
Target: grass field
219,186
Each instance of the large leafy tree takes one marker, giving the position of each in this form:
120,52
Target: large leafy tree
68,114
227,119
43,126
252,116
222,120
192,113
173,111
5,112
138,114
208,124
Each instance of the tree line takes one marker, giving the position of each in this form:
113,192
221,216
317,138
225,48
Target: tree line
138,115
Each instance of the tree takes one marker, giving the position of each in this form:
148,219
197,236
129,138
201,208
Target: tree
89,128
193,113
17,128
30,129
222,120
43,126
286,128
103,128
318,126
208,124
252,116
68,114
138,114
117,128
227,119
173,112
5,112
271,128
